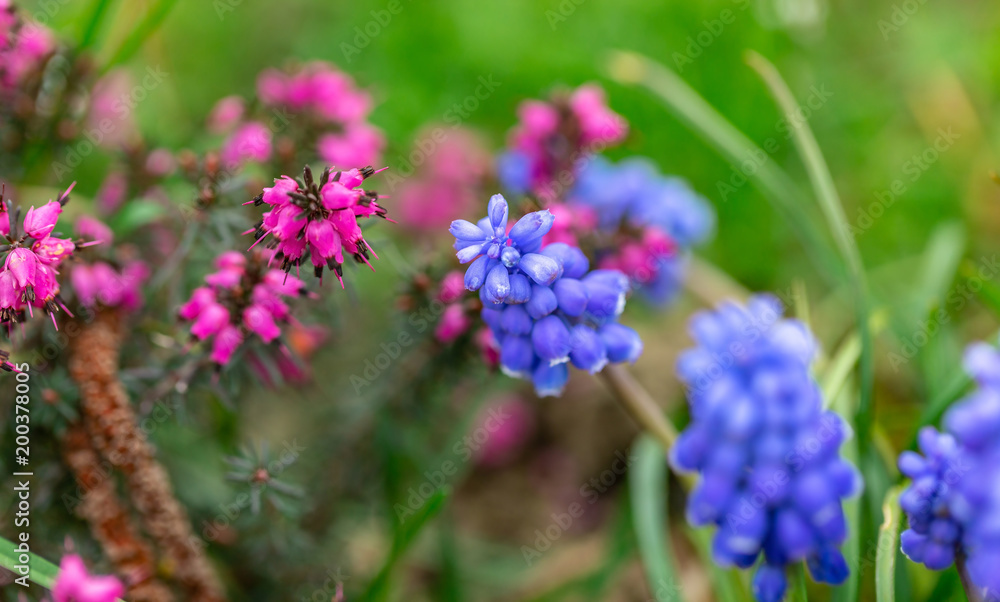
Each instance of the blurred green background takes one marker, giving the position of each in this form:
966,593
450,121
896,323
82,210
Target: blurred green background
893,74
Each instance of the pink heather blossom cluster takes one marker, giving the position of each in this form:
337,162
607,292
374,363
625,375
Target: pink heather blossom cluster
75,584
318,220
551,138
455,319
241,297
101,282
448,183
30,259
317,94
23,47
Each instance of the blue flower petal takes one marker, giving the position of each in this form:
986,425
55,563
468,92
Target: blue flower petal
551,339
497,284
543,270
475,276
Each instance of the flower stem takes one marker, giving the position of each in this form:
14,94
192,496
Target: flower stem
639,404
115,434
973,593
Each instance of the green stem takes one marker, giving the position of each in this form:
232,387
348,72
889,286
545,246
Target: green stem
149,24
93,24
732,144
971,591
638,404
888,544
42,572
833,210
797,589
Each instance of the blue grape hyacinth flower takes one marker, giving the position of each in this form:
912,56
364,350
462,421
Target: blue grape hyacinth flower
771,476
545,307
953,503
633,196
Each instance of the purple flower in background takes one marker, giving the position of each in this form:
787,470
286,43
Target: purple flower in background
952,503
771,476
653,220
544,306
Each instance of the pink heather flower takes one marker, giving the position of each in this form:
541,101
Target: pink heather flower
32,44
93,229
226,113
488,348
75,584
598,123
552,138
31,256
244,297
201,298
51,250
250,142
38,223
453,324
117,126
507,425
569,222
226,343
359,144
452,287
160,162
22,265
271,87
112,192
318,220
211,320
99,282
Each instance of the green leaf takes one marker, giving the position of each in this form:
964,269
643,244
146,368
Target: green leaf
888,542
42,572
406,534
731,143
797,591
147,27
848,591
648,489
833,210
134,215
93,24
940,263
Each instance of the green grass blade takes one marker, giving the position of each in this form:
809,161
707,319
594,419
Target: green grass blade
407,533
848,591
648,489
888,542
833,210
93,24
147,27
797,591
731,143
43,572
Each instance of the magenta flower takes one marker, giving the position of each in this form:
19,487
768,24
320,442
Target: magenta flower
75,584
31,257
226,113
243,298
100,283
318,221
548,145
454,322
250,142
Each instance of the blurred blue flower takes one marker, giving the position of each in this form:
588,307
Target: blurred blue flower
953,503
772,478
633,195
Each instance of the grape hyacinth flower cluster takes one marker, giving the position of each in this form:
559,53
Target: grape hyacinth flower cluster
772,479
952,504
243,297
552,138
647,223
544,306
318,220
32,253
